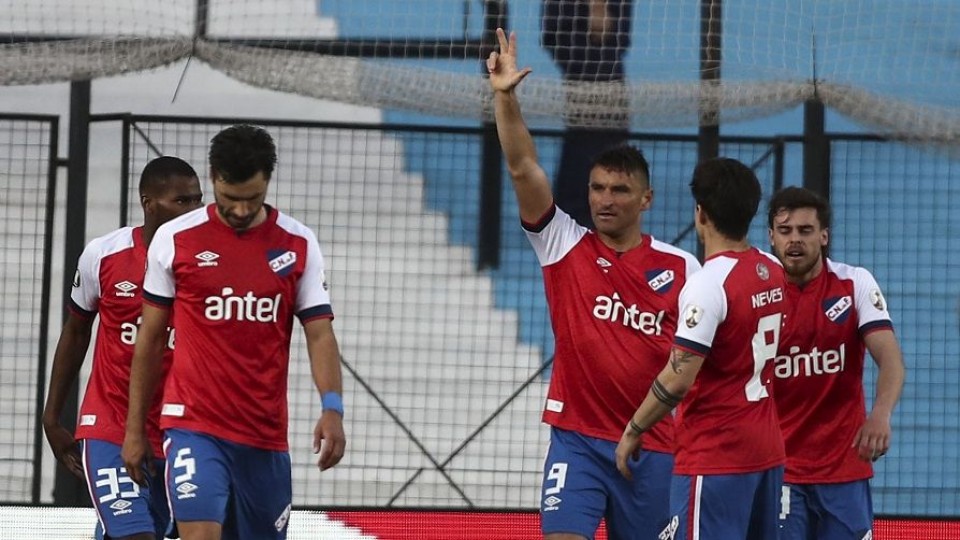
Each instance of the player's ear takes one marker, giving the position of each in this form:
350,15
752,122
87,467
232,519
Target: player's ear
701,215
824,237
647,200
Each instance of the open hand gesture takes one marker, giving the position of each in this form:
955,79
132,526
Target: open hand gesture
502,65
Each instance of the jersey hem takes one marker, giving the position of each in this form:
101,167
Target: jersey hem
157,447
79,311
698,471
654,447
262,444
540,224
806,480
157,301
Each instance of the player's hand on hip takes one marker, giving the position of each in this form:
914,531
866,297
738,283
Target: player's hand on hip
137,458
627,448
873,439
502,64
329,440
64,448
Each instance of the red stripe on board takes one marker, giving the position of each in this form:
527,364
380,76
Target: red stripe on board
413,525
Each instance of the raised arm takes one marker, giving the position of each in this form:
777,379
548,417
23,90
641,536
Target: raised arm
328,436
146,369
873,439
530,182
67,360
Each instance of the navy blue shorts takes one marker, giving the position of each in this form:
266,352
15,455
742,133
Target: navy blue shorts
581,486
742,506
247,490
123,507
826,511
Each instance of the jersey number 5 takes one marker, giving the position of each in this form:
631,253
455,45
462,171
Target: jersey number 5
764,343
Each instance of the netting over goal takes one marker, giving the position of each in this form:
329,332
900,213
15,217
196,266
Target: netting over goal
890,64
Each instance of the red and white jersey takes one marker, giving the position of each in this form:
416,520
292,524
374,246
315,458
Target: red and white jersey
731,314
819,373
108,282
234,294
613,316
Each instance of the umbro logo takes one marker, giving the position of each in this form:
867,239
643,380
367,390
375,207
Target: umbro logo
186,490
125,289
603,263
551,502
207,258
121,504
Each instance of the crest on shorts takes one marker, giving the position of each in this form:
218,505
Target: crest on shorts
762,271
692,315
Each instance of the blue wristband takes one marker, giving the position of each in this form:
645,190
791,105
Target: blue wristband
331,401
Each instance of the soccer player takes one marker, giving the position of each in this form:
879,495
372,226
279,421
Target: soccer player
612,294
108,282
829,438
729,450
235,274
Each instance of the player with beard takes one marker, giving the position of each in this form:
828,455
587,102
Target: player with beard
839,312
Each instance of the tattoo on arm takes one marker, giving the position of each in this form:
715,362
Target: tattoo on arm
678,358
636,427
665,396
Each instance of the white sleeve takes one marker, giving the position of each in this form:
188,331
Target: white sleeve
312,289
86,281
703,307
869,301
693,265
158,281
554,235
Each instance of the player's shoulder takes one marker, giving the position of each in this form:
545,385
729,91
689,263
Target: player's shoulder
740,269
845,271
112,242
670,250
712,276
190,220
292,225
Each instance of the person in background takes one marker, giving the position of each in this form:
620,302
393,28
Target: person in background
588,40
830,439
108,282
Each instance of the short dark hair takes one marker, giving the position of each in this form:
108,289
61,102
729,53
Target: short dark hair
794,197
154,176
239,152
626,159
729,192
